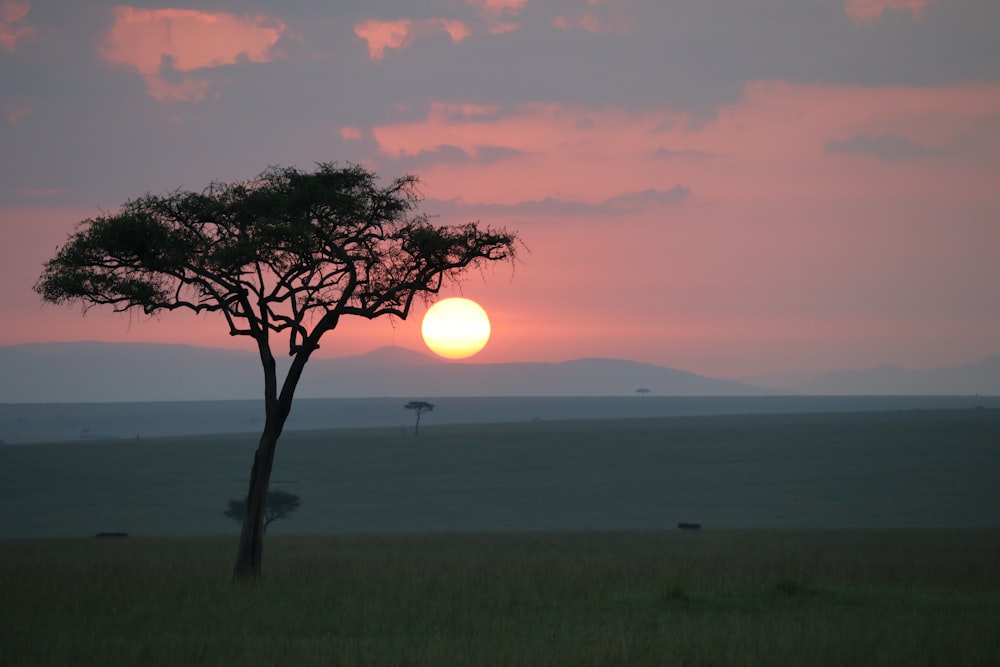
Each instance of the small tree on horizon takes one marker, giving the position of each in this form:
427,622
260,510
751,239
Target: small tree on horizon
282,258
279,505
419,407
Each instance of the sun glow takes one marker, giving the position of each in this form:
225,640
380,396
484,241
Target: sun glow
455,328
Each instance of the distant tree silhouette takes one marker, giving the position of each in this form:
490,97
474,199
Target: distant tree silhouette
283,258
419,407
279,505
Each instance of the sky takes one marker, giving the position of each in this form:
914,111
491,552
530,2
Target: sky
730,187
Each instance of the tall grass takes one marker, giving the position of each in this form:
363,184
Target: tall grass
711,598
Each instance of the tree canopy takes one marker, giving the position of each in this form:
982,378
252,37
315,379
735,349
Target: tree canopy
419,407
279,505
288,251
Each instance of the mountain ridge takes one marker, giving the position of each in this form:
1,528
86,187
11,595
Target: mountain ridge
979,377
109,372
92,371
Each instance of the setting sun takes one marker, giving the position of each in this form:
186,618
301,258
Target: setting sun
456,328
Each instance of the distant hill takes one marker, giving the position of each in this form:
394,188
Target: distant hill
981,377
581,377
112,372
90,371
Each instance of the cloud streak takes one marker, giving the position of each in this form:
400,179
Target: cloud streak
870,10
887,147
628,203
595,24
498,7
453,155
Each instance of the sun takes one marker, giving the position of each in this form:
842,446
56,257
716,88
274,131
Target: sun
455,328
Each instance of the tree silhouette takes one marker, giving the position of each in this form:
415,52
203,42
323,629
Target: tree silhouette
279,505
419,407
281,257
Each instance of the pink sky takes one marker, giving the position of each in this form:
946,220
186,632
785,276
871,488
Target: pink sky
730,195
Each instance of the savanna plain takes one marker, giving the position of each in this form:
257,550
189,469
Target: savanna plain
828,539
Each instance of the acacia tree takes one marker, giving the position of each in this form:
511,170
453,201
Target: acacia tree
279,505
282,258
419,407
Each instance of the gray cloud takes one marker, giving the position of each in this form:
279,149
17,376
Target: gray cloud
886,147
550,207
446,154
635,201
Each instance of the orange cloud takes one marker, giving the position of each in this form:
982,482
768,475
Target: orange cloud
498,7
350,133
186,40
606,16
503,27
382,35
12,25
869,10
399,34
455,29
494,11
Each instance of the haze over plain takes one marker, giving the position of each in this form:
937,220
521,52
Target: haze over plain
734,189
119,372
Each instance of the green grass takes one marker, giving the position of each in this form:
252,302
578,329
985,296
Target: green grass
628,598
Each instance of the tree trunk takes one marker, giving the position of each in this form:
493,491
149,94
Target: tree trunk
277,407
251,548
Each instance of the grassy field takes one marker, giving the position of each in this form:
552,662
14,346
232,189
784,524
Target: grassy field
905,469
22,423
666,598
541,543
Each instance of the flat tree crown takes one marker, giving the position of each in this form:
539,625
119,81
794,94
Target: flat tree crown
286,251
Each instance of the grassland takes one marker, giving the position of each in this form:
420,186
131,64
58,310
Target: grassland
541,543
622,598
871,470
